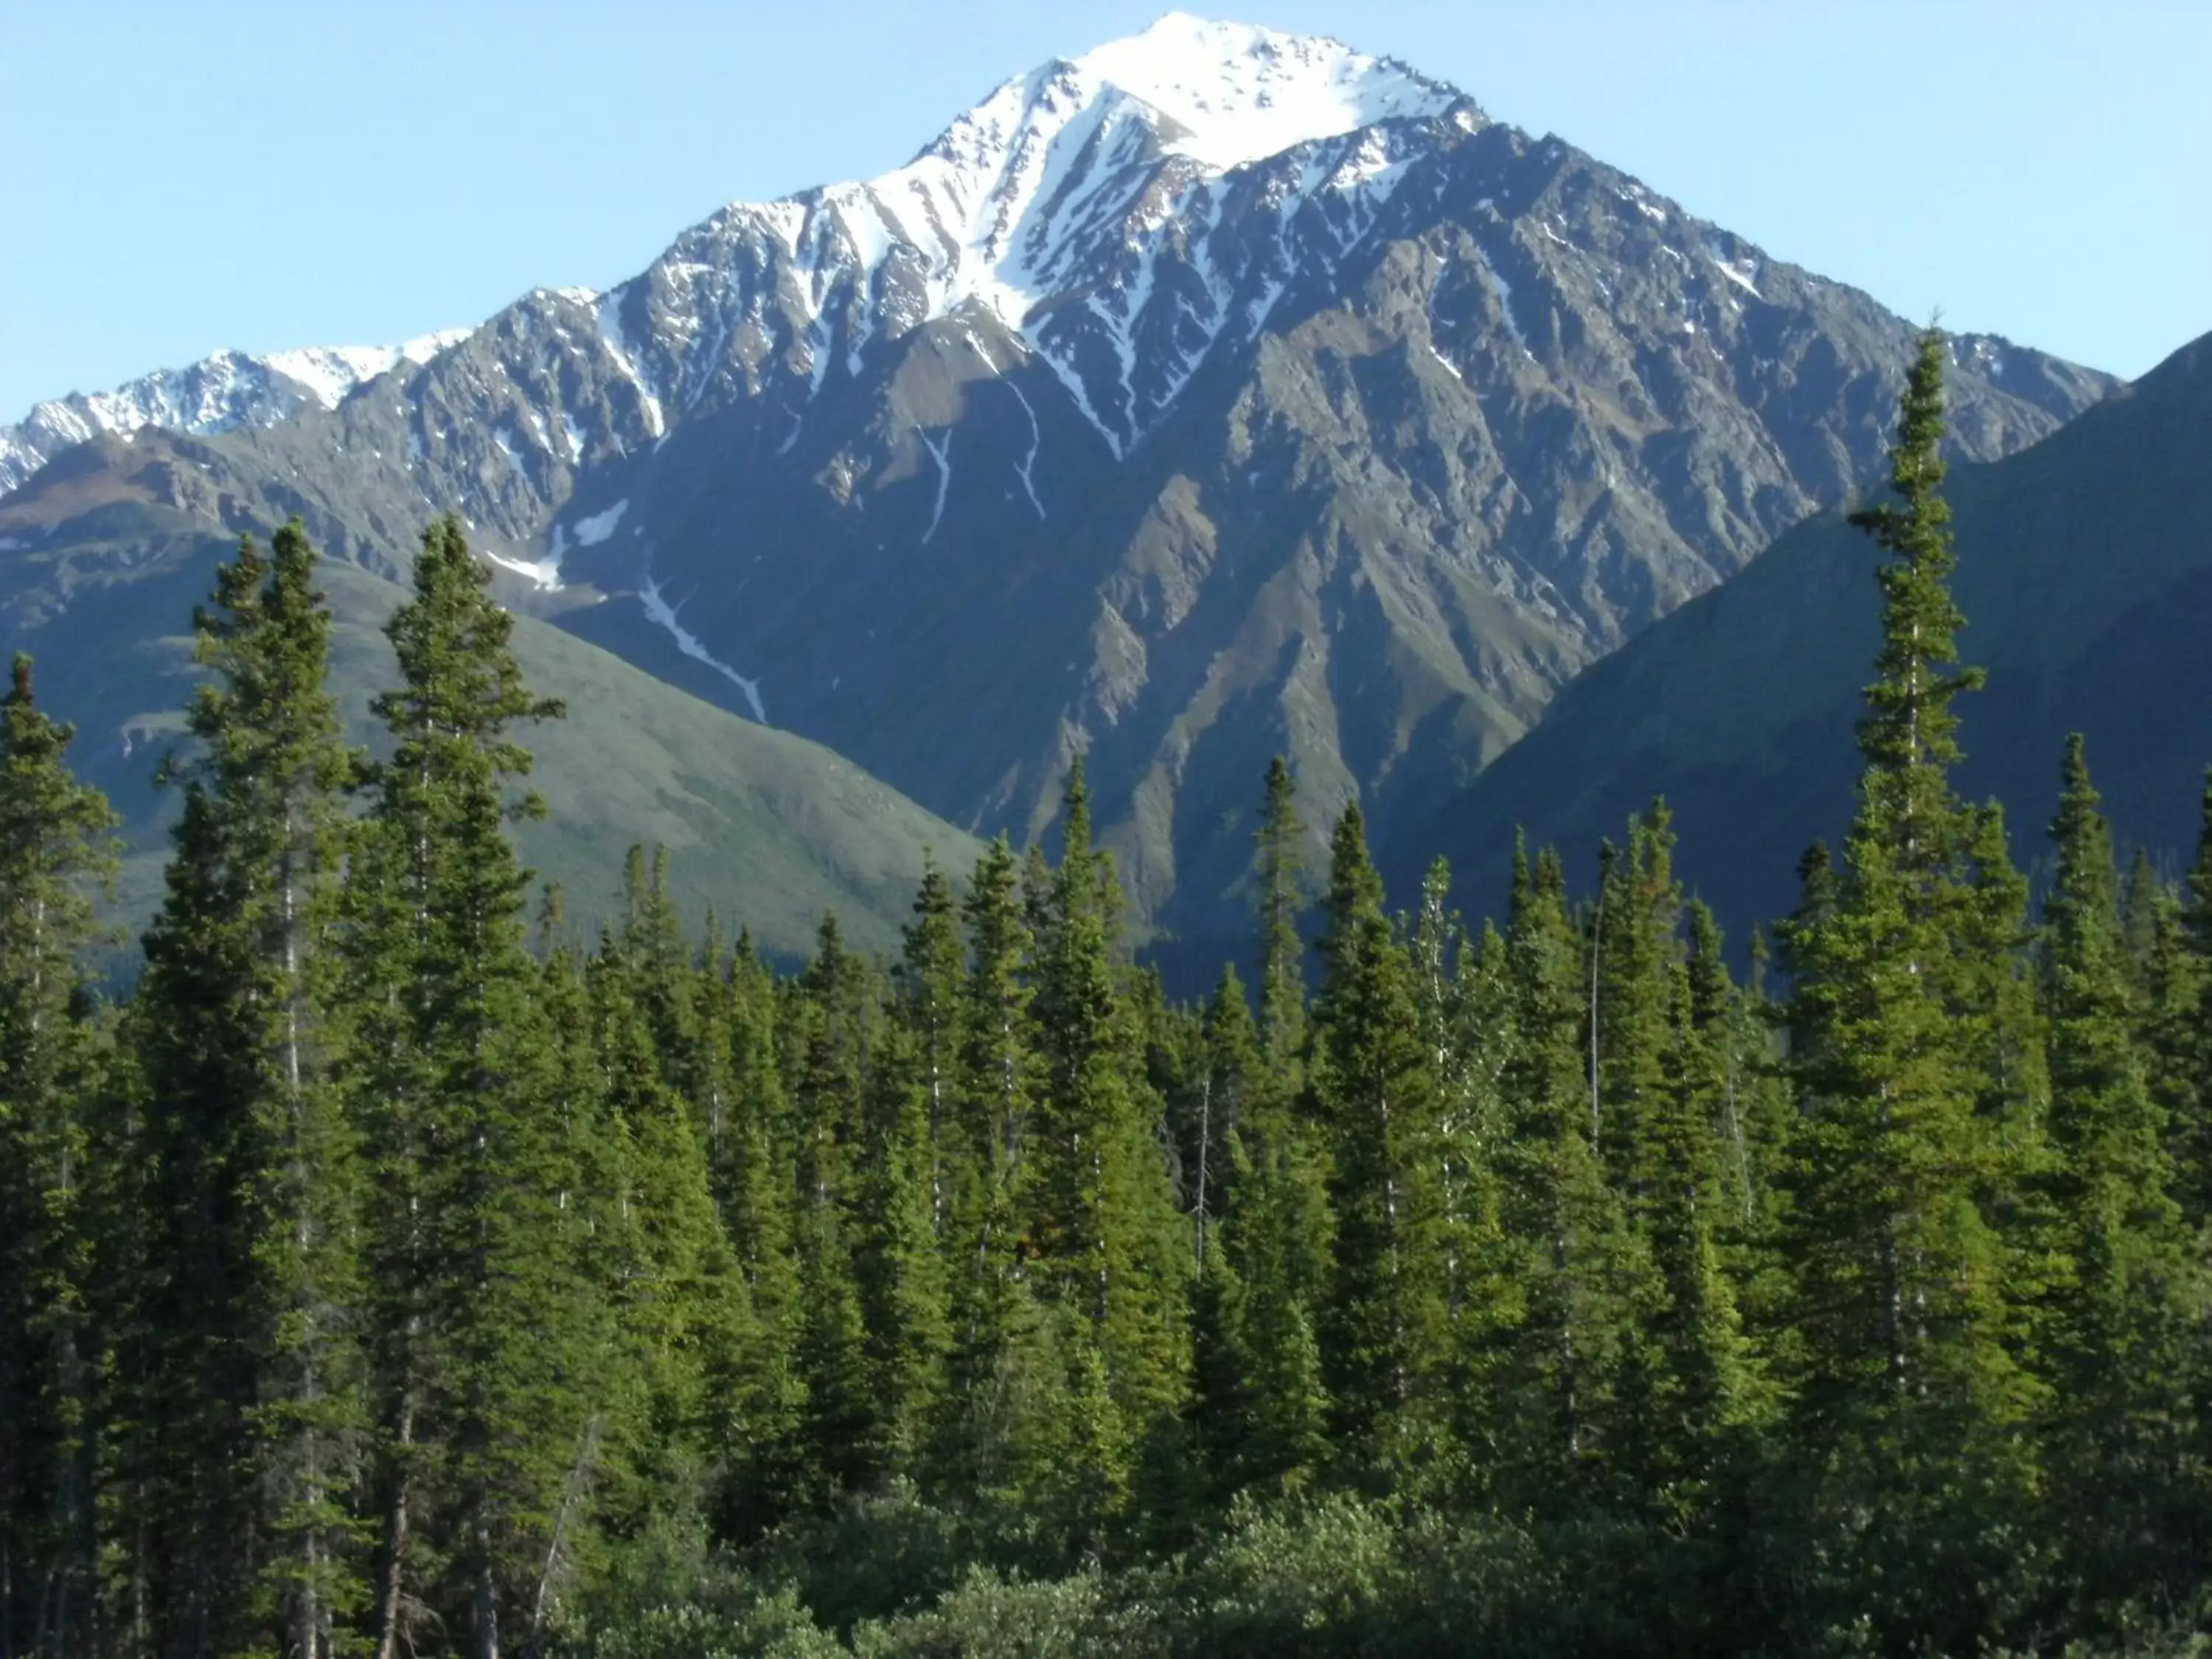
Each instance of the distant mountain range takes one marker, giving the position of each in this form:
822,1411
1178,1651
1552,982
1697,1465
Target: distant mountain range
1216,393
219,393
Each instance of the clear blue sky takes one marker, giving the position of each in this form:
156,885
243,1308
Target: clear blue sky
175,178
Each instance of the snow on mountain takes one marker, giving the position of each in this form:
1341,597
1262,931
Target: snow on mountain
218,393
331,372
1241,93
1079,207
1063,206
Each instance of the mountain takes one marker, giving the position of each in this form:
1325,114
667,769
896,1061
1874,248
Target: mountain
219,393
108,551
2085,573
1216,393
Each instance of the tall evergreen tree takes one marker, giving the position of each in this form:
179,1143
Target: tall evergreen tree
1280,841
913,1156
1636,950
902,1272
485,1382
2122,1316
1227,1055
1100,1212
677,1319
827,1021
1219,1069
930,975
1705,1386
2184,1043
1375,1089
237,1026
1463,996
54,850
1910,1383
751,1166
1583,1277
1275,1253
982,1431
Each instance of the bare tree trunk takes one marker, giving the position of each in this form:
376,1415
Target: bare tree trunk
1734,1121
388,1590
1205,1138
1597,940
579,1476
487,1597
141,1613
310,1609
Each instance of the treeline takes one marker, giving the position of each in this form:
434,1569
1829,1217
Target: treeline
395,1273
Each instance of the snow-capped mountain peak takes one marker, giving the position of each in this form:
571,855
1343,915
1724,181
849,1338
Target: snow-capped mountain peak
1239,93
1062,204
218,393
329,373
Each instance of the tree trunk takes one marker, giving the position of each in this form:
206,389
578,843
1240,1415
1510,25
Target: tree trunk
388,1590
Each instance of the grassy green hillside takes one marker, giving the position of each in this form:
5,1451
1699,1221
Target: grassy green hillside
2085,571
767,828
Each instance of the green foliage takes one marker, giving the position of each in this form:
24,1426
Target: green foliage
254,1399
53,845
2128,1299
1374,1090
486,1350
374,1282
1907,1298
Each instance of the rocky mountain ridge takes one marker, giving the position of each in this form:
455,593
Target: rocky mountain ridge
218,393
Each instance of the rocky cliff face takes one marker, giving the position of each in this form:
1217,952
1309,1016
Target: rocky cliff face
1216,393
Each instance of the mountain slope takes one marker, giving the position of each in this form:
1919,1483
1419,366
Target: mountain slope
2085,572
767,828
1215,393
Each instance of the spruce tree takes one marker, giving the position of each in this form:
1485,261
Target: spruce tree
1280,841
1375,1089
834,1031
1910,1386
913,1157
55,851
1223,1058
1705,1387
1099,1212
994,1324
751,1168
1584,1278
1227,1056
825,1022
2165,980
237,1027
999,1064
663,979
901,1269
930,1008
2183,1032
1276,1253
2122,1313
485,1380
677,1319
1463,998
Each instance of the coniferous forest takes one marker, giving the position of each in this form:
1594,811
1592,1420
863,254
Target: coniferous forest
395,1271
